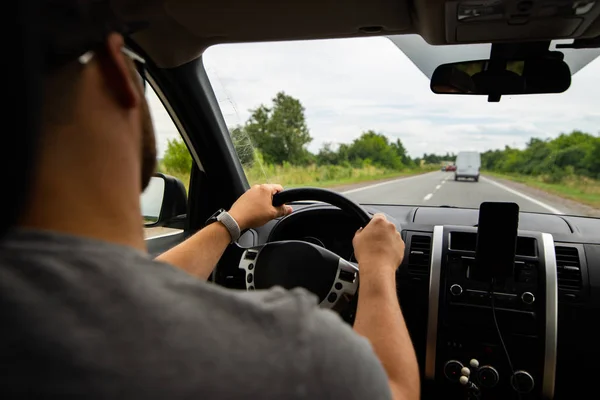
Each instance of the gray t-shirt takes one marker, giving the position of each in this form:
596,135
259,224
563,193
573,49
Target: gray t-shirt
85,318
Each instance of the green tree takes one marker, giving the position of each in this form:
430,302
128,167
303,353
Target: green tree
177,157
343,154
437,159
375,148
326,156
575,153
593,159
400,150
280,132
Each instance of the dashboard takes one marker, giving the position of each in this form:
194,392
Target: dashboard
546,313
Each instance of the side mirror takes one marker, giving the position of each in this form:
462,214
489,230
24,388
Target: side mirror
164,202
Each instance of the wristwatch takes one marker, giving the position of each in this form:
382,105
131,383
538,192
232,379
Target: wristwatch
228,222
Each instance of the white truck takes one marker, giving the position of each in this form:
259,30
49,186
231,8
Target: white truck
467,165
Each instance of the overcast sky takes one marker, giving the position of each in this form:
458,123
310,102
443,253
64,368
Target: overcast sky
352,85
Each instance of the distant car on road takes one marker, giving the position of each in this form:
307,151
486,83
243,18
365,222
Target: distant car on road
451,167
443,168
467,165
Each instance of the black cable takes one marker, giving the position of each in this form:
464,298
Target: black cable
510,365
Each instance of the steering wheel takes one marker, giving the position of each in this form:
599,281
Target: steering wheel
295,263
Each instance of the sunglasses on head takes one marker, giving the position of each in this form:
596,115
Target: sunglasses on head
140,63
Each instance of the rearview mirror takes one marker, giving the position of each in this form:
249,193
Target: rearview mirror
499,77
164,202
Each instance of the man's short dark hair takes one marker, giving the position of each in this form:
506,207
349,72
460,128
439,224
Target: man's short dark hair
72,27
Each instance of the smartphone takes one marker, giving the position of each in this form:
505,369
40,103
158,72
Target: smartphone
496,242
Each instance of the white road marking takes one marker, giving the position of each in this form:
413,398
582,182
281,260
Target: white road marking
531,199
428,196
385,183
444,181
437,187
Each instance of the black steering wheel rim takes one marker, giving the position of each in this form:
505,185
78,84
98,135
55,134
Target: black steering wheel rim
293,263
326,196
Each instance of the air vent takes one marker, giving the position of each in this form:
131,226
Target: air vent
569,268
419,256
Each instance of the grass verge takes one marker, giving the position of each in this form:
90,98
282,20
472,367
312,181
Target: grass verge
290,176
581,189
322,176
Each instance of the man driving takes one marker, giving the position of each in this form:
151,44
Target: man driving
87,313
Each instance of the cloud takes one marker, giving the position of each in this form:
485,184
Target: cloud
351,85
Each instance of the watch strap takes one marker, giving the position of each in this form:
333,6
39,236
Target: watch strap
231,224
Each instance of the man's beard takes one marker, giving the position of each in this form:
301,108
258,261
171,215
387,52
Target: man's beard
148,146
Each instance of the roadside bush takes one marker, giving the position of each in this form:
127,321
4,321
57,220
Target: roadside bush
177,157
576,153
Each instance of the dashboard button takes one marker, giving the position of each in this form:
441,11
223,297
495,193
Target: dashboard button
249,278
528,298
522,382
338,286
452,370
488,376
332,297
456,290
347,276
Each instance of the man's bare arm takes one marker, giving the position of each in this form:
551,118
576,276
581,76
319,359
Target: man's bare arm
379,250
200,254
379,319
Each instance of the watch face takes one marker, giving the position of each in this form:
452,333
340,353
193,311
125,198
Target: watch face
213,218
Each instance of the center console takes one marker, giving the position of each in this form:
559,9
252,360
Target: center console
491,340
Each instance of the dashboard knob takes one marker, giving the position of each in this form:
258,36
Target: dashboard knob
465,372
488,376
456,290
528,298
474,363
452,370
463,380
522,381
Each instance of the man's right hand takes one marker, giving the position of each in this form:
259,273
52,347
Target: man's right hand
378,245
255,207
379,250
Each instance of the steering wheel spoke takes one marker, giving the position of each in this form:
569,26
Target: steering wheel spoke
292,264
344,287
248,265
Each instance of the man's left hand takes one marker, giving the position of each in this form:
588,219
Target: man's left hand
255,207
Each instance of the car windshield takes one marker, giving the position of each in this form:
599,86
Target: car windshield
357,116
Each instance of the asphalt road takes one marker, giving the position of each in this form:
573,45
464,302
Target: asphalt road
439,188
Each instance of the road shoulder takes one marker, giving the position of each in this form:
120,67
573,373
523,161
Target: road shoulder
569,207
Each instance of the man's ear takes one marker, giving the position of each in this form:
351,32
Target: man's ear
117,72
